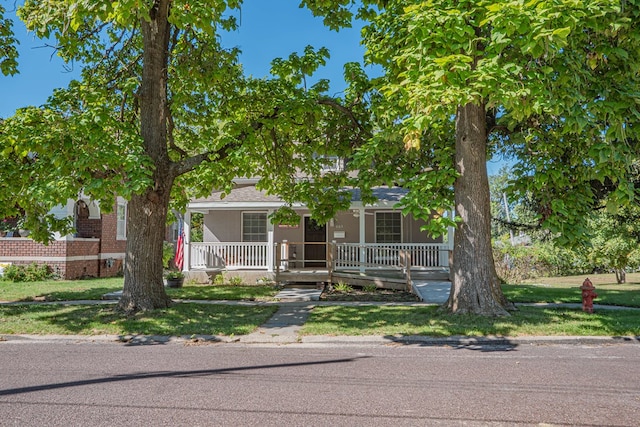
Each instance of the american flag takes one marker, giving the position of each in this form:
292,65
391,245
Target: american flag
179,259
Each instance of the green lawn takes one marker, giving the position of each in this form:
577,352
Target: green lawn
193,318
180,319
59,290
430,321
94,289
527,321
567,290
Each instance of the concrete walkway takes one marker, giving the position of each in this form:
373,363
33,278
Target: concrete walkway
283,327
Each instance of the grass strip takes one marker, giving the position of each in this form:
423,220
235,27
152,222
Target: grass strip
180,319
59,290
627,295
94,289
429,321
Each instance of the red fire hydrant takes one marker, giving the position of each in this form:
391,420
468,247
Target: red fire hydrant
588,294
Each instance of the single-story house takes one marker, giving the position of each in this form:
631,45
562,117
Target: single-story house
97,249
238,235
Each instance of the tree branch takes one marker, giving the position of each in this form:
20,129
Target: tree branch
346,111
190,163
517,225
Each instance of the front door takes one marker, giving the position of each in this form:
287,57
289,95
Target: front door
315,239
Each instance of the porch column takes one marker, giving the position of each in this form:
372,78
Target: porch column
186,245
362,238
445,256
270,242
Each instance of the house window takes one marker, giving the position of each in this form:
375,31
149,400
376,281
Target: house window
388,227
121,221
330,163
254,227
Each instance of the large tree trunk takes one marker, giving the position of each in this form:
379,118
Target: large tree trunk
475,285
143,284
147,212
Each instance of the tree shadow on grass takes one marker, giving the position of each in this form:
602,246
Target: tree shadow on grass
178,320
74,295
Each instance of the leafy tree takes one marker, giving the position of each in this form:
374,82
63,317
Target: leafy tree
615,240
522,215
551,84
8,51
163,112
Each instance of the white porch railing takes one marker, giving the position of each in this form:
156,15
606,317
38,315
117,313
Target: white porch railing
259,255
354,255
230,255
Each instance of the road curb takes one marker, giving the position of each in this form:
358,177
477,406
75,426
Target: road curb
457,341
465,341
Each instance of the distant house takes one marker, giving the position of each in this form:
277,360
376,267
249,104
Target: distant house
238,235
96,250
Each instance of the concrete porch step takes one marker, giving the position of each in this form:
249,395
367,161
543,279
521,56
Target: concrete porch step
303,293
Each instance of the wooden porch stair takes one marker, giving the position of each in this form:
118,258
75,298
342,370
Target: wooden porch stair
382,278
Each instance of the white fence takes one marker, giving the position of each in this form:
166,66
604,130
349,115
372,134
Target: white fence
260,255
232,255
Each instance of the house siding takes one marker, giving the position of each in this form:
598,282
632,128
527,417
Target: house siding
223,226
226,226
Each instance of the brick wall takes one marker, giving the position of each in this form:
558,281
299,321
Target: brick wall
89,227
110,243
24,247
80,269
104,257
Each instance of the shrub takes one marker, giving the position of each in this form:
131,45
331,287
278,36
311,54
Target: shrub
371,287
28,273
235,281
218,279
342,287
517,263
167,254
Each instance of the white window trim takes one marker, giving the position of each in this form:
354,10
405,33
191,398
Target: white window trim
331,163
266,234
121,232
375,225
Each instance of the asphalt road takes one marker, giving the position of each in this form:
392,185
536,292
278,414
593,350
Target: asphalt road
108,384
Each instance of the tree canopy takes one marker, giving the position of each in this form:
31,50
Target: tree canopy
552,85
